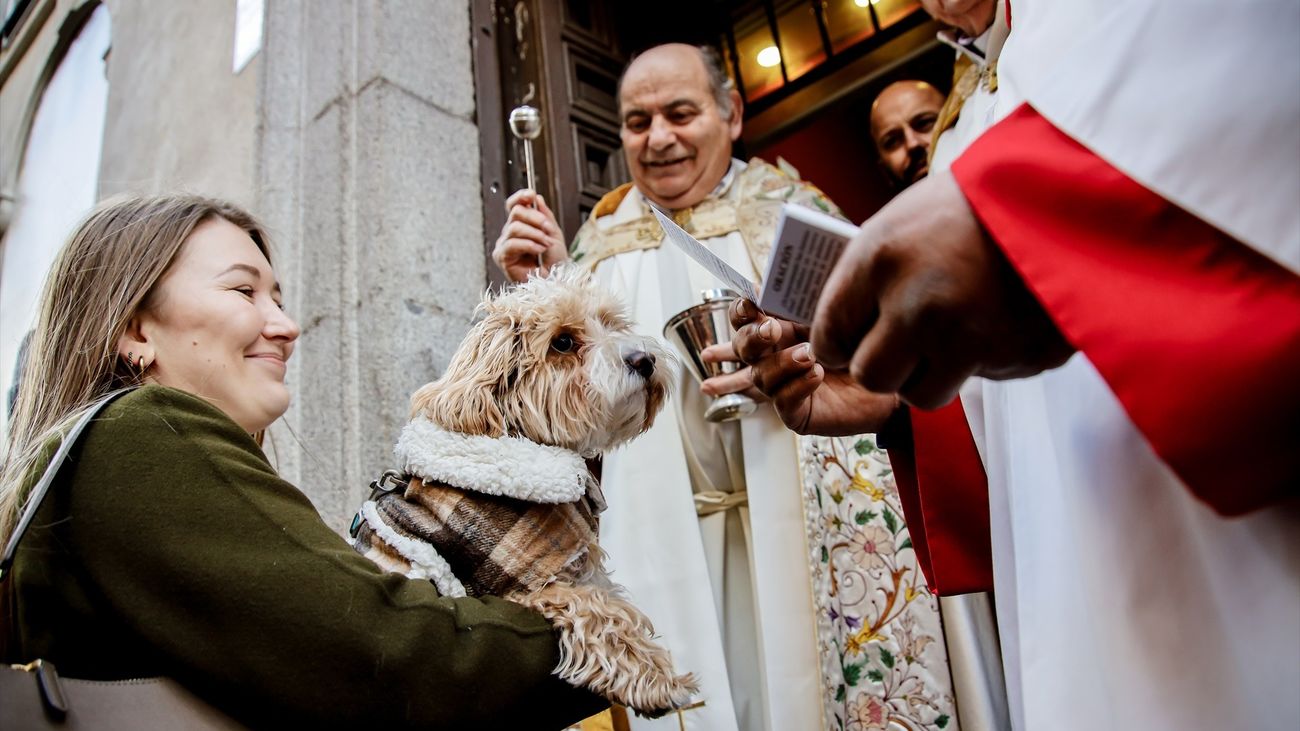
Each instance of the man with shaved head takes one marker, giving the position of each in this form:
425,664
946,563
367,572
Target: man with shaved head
720,532
902,121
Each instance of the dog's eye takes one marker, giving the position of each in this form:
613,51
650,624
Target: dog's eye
563,343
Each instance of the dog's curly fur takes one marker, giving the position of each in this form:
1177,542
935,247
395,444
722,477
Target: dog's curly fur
508,378
555,361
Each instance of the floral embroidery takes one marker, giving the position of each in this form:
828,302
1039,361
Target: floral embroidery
871,545
879,635
866,713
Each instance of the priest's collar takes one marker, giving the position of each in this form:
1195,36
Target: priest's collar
725,184
718,191
970,46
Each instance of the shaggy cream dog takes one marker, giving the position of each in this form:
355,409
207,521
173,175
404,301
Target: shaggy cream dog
495,495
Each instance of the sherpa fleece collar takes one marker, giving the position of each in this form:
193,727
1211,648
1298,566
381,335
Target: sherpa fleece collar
506,466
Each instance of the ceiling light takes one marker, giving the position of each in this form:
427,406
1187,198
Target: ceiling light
769,57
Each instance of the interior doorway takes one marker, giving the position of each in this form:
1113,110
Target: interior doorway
807,70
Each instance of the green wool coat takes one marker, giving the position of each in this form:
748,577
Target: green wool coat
169,546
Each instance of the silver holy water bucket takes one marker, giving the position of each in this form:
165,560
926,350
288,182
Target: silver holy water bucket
694,329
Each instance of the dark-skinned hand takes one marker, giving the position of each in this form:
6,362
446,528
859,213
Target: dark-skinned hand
740,381
530,239
809,398
922,299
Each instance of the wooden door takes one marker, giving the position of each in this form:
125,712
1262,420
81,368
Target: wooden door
562,57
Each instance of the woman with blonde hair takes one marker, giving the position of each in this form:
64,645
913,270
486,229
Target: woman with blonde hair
168,545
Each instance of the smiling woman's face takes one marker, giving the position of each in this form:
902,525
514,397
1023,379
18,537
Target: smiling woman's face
215,327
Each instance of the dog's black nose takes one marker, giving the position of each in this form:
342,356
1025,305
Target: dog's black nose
639,361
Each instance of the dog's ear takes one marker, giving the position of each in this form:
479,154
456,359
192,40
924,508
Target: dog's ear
464,400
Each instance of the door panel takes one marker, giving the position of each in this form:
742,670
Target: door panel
560,56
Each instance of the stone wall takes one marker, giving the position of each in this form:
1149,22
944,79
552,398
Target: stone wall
179,117
368,174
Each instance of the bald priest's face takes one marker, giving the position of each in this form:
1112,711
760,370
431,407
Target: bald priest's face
902,125
676,138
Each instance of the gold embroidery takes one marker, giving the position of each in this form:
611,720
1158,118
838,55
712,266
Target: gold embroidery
989,77
682,217
610,202
750,206
965,76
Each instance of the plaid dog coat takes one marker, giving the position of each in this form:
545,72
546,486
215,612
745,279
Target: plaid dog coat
481,515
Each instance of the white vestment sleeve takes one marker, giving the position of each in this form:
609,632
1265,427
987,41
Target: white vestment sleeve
1198,101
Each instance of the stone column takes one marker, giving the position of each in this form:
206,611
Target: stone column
368,175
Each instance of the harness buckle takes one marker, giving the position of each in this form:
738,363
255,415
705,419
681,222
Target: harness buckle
388,482
380,485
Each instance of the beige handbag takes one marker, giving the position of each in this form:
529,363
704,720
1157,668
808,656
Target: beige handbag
33,696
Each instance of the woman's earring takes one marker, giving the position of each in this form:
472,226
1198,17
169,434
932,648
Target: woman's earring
142,366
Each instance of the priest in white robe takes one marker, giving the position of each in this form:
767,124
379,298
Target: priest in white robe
709,526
